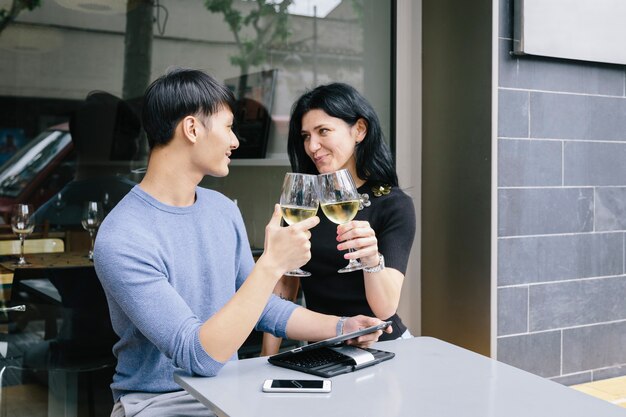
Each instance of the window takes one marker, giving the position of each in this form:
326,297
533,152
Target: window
55,55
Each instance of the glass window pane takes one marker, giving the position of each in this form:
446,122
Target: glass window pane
59,53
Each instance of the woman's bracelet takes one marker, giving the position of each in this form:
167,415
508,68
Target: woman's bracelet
377,268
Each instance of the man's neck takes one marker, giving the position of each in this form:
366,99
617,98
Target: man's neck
168,180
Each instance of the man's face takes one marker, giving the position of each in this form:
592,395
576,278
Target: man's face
216,141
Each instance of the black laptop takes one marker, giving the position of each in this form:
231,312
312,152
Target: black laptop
331,357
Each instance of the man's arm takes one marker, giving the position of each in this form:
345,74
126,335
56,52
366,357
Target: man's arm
286,248
308,325
287,289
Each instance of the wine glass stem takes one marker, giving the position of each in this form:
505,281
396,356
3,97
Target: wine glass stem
352,261
22,238
92,235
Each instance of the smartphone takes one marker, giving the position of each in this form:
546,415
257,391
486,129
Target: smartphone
297,385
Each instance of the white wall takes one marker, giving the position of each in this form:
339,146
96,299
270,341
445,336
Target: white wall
409,143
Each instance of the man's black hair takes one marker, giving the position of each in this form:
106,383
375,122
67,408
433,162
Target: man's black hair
179,93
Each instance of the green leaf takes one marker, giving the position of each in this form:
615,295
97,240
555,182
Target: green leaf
269,20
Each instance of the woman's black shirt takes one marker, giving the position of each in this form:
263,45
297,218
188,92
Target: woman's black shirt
392,217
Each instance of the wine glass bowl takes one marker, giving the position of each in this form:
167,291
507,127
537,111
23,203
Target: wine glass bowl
341,212
340,202
93,214
298,202
58,203
22,224
106,203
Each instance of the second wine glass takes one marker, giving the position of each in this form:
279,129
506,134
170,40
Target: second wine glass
340,202
93,214
298,201
22,225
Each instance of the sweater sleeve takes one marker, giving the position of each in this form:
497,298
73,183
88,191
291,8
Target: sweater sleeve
132,279
277,311
275,316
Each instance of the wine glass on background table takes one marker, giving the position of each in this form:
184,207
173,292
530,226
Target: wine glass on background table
298,201
22,224
58,203
93,214
340,202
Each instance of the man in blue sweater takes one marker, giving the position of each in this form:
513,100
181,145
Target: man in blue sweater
175,263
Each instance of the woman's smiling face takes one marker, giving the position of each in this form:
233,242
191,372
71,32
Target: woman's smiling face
330,141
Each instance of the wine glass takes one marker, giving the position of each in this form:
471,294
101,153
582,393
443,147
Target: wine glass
22,224
93,214
340,201
298,201
58,203
106,202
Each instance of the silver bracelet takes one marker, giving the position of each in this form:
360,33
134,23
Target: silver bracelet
377,268
340,324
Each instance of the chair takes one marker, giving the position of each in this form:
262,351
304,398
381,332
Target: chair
66,370
12,247
46,245
28,392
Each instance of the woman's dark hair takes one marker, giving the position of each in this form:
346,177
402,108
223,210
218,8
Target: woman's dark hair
177,94
373,157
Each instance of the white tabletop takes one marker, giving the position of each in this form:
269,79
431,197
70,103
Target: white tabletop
428,377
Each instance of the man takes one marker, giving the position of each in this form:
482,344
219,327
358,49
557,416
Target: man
175,263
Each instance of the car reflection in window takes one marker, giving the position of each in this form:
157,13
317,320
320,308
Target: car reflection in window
19,171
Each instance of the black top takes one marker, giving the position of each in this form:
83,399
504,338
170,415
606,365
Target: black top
392,217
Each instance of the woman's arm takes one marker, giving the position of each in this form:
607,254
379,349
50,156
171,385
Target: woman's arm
287,289
383,288
393,238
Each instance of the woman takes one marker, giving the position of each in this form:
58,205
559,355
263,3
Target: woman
333,127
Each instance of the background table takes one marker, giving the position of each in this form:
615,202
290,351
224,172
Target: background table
428,377
48,260
38,261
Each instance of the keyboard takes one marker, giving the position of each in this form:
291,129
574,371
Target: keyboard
317,358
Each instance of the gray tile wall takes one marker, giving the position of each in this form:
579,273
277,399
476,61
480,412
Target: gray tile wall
561,214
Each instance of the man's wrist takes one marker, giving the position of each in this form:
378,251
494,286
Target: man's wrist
340,323
268,268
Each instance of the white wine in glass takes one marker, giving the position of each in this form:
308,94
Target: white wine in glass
294,215
340,202
22,224
341,212
298,201
93,214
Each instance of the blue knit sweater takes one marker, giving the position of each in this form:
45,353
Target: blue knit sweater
165,270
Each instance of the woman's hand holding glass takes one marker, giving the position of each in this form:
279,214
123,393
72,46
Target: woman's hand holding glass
359,236
340,202
298,201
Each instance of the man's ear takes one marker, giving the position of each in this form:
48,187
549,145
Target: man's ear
189,127
360,128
